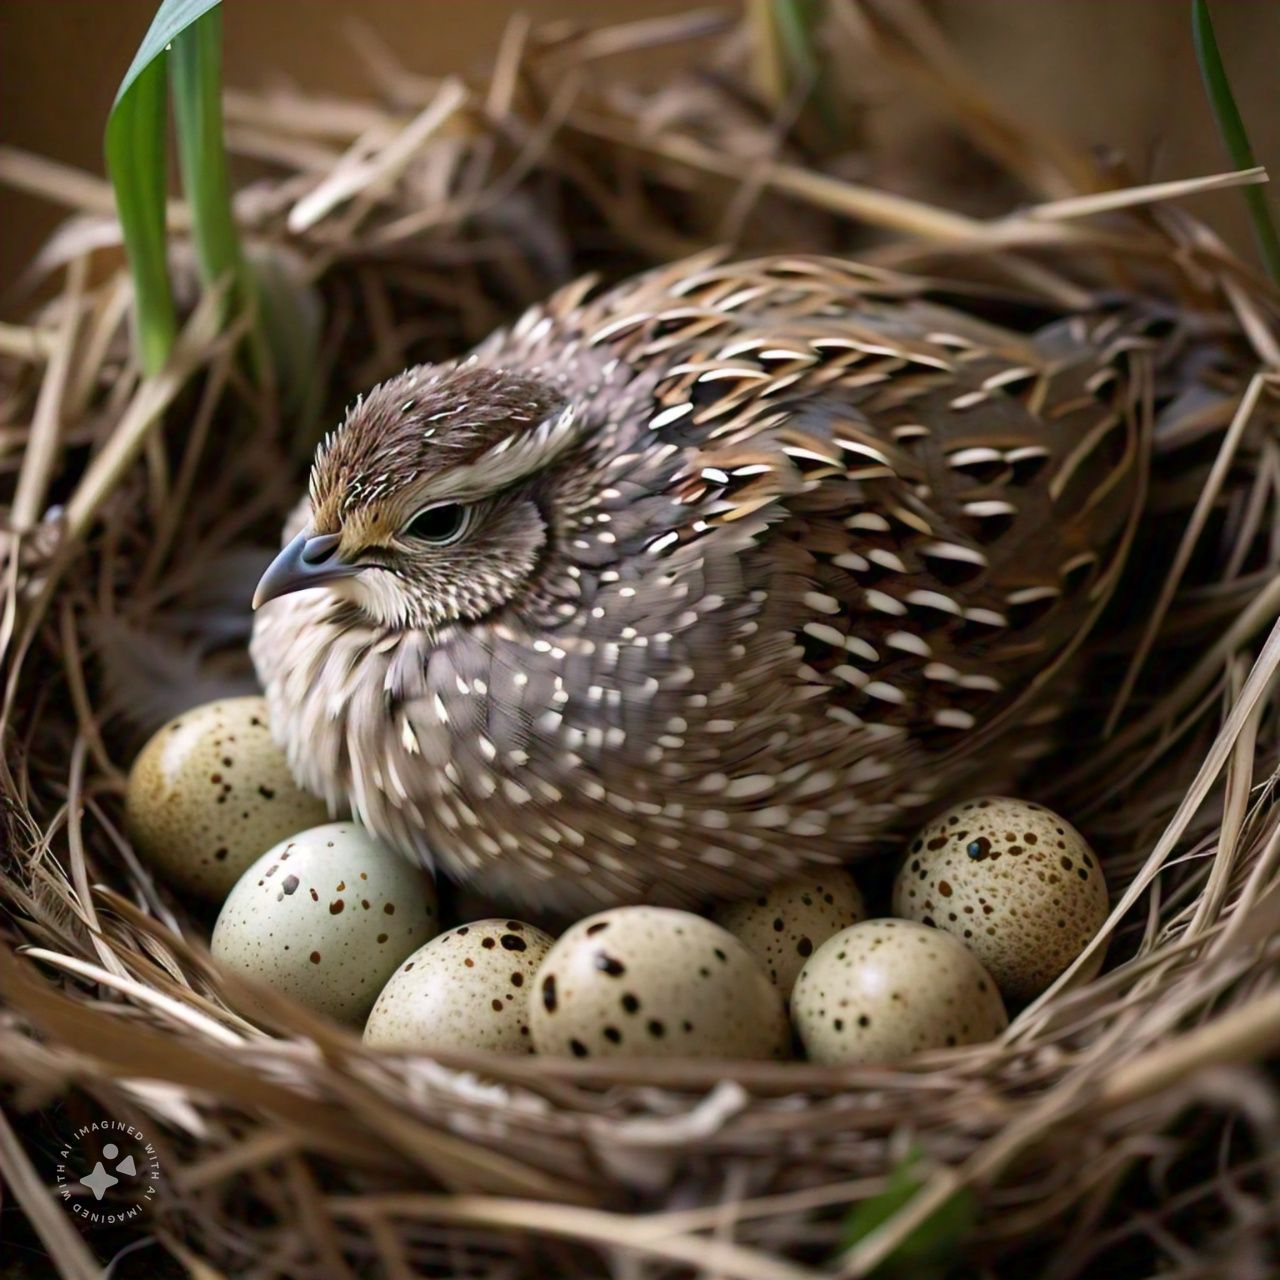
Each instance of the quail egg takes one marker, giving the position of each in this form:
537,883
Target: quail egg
210,792
326,917
652,982
882,990
467,989
1014,882
783,926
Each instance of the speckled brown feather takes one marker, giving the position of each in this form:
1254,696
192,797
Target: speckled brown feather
813,541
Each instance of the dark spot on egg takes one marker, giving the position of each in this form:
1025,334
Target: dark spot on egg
630,1003
613,1035
549,993
511,943
336,907
289,884
390,908
610,965
579,1049
517,979
979,848
599,927
314,957
656,1029
805,946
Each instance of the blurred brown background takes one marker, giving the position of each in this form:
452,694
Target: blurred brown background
1120,72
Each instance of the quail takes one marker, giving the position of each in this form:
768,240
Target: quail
670,590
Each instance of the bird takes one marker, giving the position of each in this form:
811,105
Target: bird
682,586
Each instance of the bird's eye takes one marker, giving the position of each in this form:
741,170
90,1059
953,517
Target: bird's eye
444,523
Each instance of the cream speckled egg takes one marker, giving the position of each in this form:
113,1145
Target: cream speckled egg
467,989
882,990
783,926
1015,882
210,792
326,917
651,982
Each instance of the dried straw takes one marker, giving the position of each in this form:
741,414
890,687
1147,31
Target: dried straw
1116,1119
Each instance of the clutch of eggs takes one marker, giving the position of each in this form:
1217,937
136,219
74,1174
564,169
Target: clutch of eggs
995,896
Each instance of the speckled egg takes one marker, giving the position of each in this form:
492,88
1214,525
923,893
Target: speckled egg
883,990
783,926
326,917
652,982
1014,882
467,989
210,792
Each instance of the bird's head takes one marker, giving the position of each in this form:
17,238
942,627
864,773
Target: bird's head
424,504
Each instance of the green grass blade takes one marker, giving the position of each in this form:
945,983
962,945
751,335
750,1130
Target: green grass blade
1217,86
135,150
195,75
138,165
172,18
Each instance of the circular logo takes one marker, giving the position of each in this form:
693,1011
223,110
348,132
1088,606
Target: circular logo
108,1173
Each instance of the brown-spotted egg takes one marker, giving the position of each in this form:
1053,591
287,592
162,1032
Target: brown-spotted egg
784,925
883,990
652,982
210,792
1016,883
467,989
326,917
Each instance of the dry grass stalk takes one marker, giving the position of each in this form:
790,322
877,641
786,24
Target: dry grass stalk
422,220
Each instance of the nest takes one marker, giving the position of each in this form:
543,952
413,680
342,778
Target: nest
1117,1121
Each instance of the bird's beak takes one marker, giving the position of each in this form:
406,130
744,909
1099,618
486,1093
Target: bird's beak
310,560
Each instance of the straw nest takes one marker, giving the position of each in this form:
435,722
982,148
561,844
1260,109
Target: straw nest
1115,1121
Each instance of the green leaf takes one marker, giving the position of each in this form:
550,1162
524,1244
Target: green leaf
195,74
135,150
172,18
931,1250
1217,86
137,163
